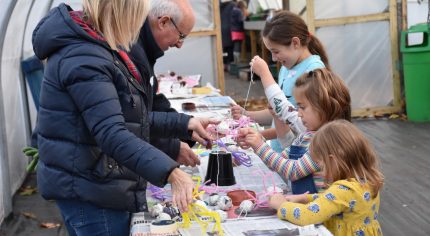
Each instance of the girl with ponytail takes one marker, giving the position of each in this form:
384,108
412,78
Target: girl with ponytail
287,37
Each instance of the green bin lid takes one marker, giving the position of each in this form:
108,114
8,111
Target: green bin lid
419,28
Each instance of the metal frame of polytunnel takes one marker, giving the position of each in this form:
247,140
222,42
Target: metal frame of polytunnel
15,104
6,193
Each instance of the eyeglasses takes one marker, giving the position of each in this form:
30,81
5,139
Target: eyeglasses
181,35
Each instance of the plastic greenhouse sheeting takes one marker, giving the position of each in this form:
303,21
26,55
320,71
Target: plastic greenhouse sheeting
368,73
325,9
360,53
198,54
15,114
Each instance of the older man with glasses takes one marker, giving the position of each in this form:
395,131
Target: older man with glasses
181,35
168,24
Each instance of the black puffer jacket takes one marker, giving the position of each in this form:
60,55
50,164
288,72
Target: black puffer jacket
94,122
144,55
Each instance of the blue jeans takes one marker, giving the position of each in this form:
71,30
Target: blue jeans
82,218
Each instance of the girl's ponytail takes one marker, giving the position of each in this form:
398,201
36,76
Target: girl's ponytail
316,48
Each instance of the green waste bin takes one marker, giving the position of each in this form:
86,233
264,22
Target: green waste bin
416,68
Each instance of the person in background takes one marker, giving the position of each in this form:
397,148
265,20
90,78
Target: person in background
287,37
237,30
350,206
93,124
226,8
167,25
243,6
321,97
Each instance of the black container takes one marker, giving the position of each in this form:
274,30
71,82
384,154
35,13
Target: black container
222,176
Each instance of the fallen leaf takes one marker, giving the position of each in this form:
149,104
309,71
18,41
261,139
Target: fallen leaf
50,225
394,116
27,191
29,215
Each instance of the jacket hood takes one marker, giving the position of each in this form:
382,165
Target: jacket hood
57,30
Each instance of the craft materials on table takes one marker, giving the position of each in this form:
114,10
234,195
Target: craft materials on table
220,169
198,209
214,204
246,180
177,86
251,81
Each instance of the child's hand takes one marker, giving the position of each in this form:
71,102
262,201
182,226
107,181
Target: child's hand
260,67
237,111
299,198
241,138
249,137
276,200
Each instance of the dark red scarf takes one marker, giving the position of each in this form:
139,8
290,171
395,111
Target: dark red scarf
77,18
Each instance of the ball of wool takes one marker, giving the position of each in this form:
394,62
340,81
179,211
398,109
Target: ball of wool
213,199
163,216
201,203
246,206
224,203
222,215
274,189
155,210
171,211
223,128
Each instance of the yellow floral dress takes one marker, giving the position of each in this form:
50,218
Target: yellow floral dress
345,208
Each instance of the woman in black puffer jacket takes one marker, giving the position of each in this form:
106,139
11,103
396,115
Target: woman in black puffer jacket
94,123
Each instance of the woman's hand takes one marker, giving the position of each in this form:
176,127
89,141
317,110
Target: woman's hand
237,112
182,189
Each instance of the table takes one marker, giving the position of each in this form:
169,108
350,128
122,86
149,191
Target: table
246,178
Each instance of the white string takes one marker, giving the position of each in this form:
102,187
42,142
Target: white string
249,89
217,161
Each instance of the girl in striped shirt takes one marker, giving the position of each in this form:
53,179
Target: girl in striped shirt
321,97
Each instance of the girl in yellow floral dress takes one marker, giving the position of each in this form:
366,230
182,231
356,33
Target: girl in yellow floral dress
350,205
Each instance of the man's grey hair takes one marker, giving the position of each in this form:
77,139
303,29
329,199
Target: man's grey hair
165,8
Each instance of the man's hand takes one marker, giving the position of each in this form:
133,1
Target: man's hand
198,126
186,156
182,189
237,111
